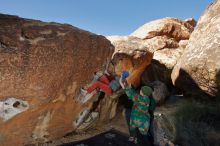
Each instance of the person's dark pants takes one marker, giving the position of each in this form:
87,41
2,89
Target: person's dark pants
151,130
143,140
146,140
128,116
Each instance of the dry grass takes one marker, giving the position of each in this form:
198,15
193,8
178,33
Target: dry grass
198,124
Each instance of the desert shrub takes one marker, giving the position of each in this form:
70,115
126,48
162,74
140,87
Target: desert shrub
195,122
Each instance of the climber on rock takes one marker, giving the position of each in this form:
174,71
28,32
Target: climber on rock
107,82
140,116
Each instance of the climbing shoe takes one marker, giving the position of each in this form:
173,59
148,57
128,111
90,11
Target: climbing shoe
83,91
131,139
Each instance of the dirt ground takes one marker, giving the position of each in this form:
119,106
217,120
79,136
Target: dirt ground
109,138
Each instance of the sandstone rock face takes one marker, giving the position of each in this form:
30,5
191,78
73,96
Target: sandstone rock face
42,66
200,65
166,52
162,64
131,54
167,38
191,21
129,51
170,56
172,27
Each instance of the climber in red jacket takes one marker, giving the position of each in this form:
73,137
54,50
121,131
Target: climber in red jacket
106,82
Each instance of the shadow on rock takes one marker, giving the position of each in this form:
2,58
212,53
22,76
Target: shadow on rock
157,72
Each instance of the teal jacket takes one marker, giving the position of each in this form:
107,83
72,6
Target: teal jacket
140,117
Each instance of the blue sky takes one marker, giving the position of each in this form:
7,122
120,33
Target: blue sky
106,17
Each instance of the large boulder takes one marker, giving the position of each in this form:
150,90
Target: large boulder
172,27
42,67
199,65
166,51
167,38
162,64
131,54
131,51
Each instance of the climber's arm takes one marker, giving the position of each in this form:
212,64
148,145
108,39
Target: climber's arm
131,93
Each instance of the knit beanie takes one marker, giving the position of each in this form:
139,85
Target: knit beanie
147,91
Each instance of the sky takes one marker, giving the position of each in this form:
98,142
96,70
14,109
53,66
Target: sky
105,17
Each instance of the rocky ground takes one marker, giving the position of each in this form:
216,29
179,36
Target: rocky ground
109,138
118,123
177,109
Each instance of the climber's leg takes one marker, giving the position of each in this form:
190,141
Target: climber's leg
104,79
104,87
143,140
